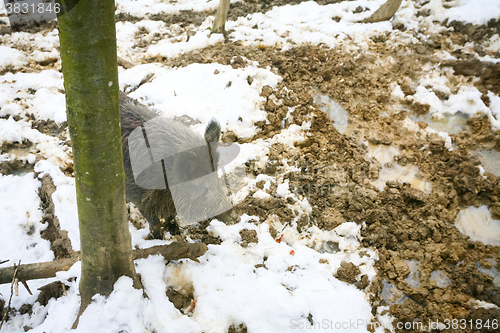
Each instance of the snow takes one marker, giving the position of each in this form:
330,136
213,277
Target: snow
21,227
307,22
47,102
145,7
283,189
405,174
228,288
232,100
297,278
48,318
114,314
467,100
17,48
495,109
21,218
49,147
280,294
467,11
472,11
64,199
478,224
170,49
11,57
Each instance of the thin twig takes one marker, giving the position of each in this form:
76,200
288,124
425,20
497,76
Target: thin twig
25,284
64,289
14,279
16,286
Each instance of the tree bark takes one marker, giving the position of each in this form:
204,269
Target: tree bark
88,53
385,12
221,17
45,270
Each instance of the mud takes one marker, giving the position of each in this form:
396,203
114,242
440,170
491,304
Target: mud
402,223
49,127
262,208
239,9
241,328
200,232
184,18
248,236
478,134
473,31
347,272
6,147
15,166
52,290
243,8
30,28
4,29
181,302
59,241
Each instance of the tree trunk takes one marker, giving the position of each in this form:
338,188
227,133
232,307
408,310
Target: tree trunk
88,53
385,12
221,17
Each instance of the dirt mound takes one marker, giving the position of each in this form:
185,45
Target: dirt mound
59,241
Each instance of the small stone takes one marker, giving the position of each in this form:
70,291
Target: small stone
422,124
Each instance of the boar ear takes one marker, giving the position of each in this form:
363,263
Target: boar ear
212,132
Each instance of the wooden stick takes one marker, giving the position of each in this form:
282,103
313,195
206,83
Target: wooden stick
14,279
385,12
44,270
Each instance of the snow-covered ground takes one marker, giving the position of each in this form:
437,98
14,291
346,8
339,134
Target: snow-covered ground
297,278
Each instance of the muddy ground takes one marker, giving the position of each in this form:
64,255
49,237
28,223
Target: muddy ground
402,223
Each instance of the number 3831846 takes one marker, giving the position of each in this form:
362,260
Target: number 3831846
32,8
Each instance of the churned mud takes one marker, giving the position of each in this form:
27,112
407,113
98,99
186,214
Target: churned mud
427,269
59,241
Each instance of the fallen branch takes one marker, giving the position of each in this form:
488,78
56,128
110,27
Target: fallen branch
44,270
174,251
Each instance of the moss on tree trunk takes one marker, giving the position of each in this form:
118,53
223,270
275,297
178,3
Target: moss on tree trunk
88,53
